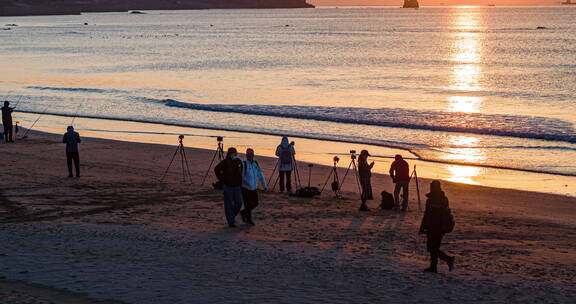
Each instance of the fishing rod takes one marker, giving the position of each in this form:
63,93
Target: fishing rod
32,126
18,101
76,113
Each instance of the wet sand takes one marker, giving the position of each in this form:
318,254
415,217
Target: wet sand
118,233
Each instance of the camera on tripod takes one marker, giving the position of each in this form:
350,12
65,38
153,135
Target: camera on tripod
353,154
186,174
336,159
219,139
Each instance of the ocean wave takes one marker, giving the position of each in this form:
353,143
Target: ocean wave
85,90
483,124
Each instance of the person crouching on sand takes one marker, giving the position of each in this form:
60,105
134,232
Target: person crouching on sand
437,221
72,139
251,174
400,174
285,152
365,172
229,172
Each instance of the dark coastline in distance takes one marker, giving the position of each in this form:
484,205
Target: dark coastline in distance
75,7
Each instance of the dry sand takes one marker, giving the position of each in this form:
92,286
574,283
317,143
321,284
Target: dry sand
118,233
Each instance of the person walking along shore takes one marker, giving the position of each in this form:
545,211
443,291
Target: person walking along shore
437,221
251,175
229,172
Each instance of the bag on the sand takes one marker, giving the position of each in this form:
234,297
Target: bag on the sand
387,201
448,222
307,192
335,186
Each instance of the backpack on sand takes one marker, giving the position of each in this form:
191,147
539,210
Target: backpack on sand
307,192
387,201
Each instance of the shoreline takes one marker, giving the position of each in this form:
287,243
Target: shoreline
118,233
502,178
398,147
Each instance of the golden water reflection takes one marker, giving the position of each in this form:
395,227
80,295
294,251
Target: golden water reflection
466,104
466,149
464,174
467,52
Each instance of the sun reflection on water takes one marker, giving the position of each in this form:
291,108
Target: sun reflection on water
465,149
464,174
466,56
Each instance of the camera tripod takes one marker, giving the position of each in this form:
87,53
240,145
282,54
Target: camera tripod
336,181
183,160
414,176
354,168
219,153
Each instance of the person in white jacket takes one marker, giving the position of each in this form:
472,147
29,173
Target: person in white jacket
251,174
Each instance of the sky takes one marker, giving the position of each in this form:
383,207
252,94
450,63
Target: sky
435,2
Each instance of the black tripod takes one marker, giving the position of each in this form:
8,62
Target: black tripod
355,169
183,160
336,181
218,153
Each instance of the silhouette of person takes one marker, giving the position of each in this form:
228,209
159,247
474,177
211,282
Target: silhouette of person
365,173
400,174
285,152
7,122
229,172
71,138
251,174
433,225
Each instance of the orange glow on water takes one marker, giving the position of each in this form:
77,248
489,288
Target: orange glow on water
466,55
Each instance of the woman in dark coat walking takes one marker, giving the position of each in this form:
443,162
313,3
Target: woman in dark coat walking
365,174
435,224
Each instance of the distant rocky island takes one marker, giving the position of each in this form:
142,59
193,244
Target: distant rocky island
69,7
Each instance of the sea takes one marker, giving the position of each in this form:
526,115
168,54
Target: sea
480,88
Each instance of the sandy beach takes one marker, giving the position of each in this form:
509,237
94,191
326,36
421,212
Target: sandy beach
118,233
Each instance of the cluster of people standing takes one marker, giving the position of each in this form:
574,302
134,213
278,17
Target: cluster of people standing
241,178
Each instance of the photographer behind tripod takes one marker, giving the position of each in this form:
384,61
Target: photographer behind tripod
285,152
400,174
229,172
365,175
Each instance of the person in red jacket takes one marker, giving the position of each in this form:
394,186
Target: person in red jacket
400,174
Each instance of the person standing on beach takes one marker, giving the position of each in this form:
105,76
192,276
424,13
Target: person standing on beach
7,122
400,174
251,174
285,152
229,172
365,173
72,139
437,221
